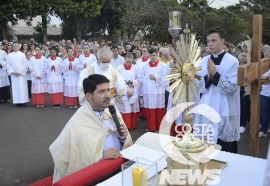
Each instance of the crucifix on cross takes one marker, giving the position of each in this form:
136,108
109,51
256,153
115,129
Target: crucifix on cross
251,74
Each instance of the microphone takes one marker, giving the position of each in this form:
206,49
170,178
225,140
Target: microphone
115,119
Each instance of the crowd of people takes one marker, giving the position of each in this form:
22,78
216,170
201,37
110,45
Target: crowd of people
131,77
140,91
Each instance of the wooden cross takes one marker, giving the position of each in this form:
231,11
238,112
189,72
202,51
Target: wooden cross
251,74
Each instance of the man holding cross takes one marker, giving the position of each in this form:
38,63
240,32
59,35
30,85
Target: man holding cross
219,91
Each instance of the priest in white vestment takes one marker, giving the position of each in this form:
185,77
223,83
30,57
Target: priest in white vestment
17,68
90,135
220,91
103,67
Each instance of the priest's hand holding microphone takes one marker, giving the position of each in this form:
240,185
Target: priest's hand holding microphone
113,153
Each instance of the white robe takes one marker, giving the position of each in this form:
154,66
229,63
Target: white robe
223,98
55,78
140,65
116,61
38,67
71,77
111,73
130,105
153,90
4,81
87,60
83,140
17,62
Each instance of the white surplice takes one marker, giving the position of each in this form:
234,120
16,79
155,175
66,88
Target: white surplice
87,60
153,90
140,64
130,104
71,77
116,80
223,98
17,62
38,68
55,78
116,61
4,81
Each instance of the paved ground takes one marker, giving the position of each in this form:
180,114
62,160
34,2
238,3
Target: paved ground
27,132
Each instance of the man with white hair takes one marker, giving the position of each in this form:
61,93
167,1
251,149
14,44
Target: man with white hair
104,67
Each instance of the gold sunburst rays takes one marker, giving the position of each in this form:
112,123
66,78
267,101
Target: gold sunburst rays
183,85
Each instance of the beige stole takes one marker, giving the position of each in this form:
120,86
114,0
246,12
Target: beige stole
81,142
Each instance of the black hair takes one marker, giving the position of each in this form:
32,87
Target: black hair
114,47
218,30
152,50
53,48
90,83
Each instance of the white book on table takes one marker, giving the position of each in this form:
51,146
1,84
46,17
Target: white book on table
146,147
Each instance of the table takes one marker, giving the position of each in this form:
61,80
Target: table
241,170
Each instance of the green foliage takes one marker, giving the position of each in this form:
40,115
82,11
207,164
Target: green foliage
246,8
85,18
38,34
12,10
80,12
234,26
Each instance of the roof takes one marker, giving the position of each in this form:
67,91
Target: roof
29,31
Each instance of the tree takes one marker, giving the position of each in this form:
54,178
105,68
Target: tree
148,16
44,8
259,7
81,11
11,11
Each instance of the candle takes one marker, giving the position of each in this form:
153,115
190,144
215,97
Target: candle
175,21
139,176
